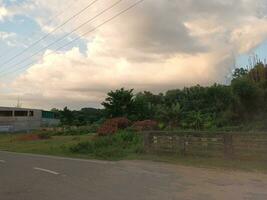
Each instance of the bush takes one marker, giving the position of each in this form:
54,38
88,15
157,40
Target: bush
111,147
111,126
33,137
72,130
44,136
145,125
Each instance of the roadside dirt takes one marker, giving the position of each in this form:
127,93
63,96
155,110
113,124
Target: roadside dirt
190,183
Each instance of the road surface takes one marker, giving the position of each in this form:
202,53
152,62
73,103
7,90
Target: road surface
32,177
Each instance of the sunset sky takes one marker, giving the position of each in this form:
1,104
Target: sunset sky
157,45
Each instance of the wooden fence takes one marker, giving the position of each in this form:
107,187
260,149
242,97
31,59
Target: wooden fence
227,145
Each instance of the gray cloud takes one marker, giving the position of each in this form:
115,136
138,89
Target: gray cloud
159,45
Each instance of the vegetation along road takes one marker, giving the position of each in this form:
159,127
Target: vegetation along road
26,176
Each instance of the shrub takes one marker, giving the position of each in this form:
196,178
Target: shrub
32,137
44,135
111,126
111,147
72,130
145,125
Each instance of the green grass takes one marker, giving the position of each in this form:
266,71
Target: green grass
57,145
115,147
120,147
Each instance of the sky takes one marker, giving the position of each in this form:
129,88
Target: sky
47,61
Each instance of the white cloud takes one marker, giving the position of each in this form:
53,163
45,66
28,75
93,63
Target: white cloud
9,38
5,35
156,46
3,13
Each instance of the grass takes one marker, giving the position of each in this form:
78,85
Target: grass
57,145
115,147
120,147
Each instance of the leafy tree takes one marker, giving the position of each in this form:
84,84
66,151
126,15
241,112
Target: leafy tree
143,108
119,103
258,73
248,95
170,115
195,120
239,72
67,116
218,98
197,107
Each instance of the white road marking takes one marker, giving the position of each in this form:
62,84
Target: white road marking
2,161
46,170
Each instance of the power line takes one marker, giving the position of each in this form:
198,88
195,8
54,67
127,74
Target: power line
48,34
61,12
60,39
47,23
86,33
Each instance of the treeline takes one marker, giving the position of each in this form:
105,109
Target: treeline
242,104
83,117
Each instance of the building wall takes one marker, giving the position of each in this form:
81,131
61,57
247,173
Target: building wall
24,123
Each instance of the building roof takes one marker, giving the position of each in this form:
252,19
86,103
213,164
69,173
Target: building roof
16,108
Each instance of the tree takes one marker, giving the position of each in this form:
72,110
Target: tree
248,95
67,117
239,72
258,73
169,114
119,103
143,108
218,98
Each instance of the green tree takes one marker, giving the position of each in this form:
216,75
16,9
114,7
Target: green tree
66,116
143,108
170,115
239,72
249,96
258,73
119,103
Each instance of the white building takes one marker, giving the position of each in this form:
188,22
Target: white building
23,119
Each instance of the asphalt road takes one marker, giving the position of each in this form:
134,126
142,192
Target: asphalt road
31,177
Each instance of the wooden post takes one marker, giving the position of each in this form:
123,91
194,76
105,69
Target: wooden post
183,143
228,146
147,141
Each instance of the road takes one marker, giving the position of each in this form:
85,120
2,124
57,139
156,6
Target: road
32,177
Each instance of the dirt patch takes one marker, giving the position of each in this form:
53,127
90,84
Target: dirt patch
191,183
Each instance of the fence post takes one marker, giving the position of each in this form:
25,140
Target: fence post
228,146
147,141
183,144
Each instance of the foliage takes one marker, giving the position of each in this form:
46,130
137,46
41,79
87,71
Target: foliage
239,72
248,96
145,125
111,126
119,103
44,136
115,146
33,137
83,117
169,114
73,130
240,103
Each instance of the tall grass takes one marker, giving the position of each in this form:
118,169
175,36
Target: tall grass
112,147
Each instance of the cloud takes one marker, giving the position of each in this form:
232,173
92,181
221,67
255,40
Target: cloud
3,13
76,79
9,38
157,46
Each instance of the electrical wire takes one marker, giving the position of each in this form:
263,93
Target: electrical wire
86,33
65,36
48,34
